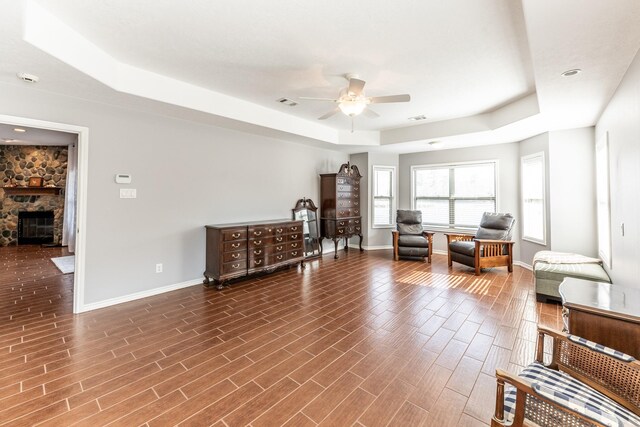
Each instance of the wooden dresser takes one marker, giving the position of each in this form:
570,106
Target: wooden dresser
605,313
340,205
241,249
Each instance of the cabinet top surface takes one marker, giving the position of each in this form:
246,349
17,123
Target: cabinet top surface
249,223
605,298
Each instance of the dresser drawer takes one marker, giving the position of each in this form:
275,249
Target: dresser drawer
293,228
341,231
260,242
345,188
345,195
234,256
294,237
234,246
346,203
357,229
258,262
277,258
343,213
342,222
354,221
234,234
234,267
260,232
296,254
280,229
294,246
259,252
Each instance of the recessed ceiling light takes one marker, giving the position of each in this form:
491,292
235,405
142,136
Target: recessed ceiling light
570,73
19,130
29,78
416,118
287,101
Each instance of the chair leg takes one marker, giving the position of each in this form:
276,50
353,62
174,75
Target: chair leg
478,270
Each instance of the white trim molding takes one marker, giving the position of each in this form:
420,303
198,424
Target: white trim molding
81,205
139,295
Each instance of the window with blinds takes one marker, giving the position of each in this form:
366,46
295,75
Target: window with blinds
383,195
454,195
532,170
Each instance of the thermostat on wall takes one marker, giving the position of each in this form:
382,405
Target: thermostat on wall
123,178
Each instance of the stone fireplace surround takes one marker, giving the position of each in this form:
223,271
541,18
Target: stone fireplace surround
17,165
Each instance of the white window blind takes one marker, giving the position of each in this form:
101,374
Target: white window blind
454,195
603,201
383,195
533,198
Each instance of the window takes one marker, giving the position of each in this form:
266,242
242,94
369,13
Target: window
383,190
454,195
603,201
532,172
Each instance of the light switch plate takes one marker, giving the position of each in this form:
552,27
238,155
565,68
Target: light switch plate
128,193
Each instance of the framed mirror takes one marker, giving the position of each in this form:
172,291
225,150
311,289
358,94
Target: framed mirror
307,212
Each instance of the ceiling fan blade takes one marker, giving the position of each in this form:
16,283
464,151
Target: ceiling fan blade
390,98
317,99
329,114
370,113
355,86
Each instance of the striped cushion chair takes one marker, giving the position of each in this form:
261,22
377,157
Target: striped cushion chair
586,384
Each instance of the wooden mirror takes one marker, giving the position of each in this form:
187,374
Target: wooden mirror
307,212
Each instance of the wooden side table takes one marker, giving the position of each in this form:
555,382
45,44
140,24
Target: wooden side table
602,312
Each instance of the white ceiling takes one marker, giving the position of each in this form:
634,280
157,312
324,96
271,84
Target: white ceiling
33,136
469,66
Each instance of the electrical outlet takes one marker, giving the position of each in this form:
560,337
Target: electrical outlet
158,268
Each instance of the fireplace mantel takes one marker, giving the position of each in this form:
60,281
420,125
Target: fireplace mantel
31,191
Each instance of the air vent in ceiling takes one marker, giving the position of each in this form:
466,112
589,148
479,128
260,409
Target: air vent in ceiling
29,78
287,101
417,118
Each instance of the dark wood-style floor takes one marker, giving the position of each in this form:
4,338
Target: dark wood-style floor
359,341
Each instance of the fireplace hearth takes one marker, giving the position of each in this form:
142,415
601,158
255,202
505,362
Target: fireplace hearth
35,227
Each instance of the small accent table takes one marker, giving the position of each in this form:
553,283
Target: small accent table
602,312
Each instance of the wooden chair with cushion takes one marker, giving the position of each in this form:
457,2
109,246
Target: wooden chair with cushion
490,247
586,384
410,240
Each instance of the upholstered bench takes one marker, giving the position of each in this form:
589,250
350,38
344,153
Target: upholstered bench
586,384
550,269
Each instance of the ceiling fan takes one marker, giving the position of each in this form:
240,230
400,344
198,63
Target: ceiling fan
352,101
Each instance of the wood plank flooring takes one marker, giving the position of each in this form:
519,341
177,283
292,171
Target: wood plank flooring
362,341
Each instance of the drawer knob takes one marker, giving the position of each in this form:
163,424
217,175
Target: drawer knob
279,239
294,236
279,230
258,262
294,253
294,228
235,265
294,245
257,233
340,231
235,245
257,242
279,256
279,248
235,235
258,252
235,256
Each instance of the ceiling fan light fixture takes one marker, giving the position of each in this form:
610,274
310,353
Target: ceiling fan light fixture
352,108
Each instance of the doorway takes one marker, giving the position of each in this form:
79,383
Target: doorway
73,235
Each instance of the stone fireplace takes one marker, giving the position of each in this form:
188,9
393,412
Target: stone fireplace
17,165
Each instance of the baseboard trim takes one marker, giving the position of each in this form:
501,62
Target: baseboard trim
439,252
138,295
523,265
370,248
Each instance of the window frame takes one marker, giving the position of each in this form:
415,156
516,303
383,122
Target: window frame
392,198
602,145
523,159
450,165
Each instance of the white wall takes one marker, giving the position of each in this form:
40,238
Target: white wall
508,156
621,119
187,175
571,167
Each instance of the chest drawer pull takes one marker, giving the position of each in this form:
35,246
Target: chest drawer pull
257,233
235,235
258,252
258,262
294,236
235,245
278,230
279,257
356,203
279,248
294,228
341,223
257,242
294,245
235,256
340,231
235,265
278,239
294,253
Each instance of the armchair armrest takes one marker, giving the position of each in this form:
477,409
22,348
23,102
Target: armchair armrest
452,237
488,241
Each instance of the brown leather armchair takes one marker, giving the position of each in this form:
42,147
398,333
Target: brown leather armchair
490,247
410,240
